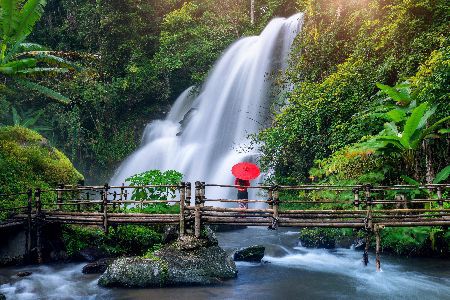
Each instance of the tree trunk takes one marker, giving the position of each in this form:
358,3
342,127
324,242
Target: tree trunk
428,161
252,12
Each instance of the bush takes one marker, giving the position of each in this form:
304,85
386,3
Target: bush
121,240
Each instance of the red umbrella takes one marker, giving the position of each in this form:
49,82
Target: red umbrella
245,171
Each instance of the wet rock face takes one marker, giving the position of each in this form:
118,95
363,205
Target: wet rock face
188,261
252,254
2,297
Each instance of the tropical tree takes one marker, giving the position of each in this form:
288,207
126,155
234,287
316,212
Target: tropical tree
21,62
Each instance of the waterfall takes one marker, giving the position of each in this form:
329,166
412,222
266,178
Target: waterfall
203,134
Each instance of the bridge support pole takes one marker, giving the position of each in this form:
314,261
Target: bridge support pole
105,208
377,248
29,226
275,207
366,250
59,195
198,217
356,198
182,201
439,194
37,198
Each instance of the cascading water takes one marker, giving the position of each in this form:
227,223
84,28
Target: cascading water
202,134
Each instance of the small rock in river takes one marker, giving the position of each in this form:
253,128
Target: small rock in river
97,267
23,274
252,254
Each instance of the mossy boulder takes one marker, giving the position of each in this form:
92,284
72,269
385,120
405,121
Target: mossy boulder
185,262
27,160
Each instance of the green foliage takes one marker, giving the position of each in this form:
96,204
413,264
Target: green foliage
28,119
154,177
21,61
122,240
28,161
415,241
323,237
442,175
345,48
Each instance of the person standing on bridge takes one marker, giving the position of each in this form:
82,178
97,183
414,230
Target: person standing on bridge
242,191
244,172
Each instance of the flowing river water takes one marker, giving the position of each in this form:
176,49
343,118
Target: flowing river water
288,271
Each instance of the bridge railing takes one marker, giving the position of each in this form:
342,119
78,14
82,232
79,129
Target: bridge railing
357,206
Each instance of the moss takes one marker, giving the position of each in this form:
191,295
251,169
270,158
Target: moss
27,160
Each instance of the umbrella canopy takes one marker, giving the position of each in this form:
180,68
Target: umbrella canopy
245,171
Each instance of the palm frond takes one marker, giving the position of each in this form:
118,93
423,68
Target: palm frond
40,71
30,13
10,19
25,47
44,90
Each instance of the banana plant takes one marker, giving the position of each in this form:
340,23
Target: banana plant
407,140
22,62
28,119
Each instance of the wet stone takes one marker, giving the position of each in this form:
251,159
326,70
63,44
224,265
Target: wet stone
23,274
188,261
97,267
252,254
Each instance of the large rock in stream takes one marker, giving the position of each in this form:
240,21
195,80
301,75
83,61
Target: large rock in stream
187,261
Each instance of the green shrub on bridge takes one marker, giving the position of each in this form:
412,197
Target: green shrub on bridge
155,177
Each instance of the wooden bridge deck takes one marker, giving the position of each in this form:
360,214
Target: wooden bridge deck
361,207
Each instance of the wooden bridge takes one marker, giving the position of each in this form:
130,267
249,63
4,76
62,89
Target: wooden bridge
366,207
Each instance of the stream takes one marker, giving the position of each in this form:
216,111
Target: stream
288,271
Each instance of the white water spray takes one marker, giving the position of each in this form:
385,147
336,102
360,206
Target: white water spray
201,135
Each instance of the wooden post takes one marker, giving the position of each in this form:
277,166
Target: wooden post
29,225
182,200
37,199
105,208
121,196
276,202
202,194
270,197
188,193
197,226
114,199
59,196
439,194
366,249
377,248
368,194
356,198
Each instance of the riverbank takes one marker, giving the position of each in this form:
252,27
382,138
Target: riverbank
288,271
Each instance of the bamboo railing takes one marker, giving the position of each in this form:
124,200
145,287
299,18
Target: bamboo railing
365,207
